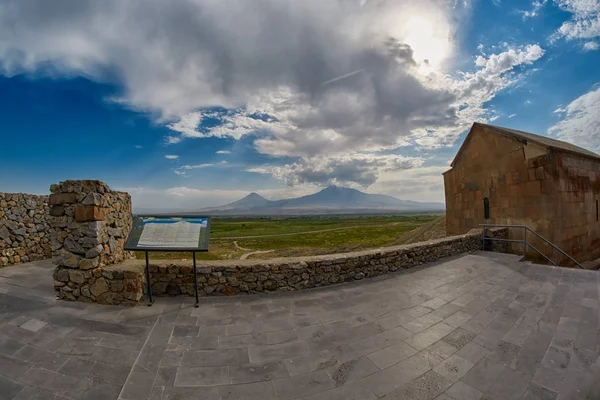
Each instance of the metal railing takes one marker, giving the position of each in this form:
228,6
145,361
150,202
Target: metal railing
526,243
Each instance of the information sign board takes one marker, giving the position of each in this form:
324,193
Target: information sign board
166,233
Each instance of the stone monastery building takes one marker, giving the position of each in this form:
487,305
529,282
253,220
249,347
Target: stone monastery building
504,176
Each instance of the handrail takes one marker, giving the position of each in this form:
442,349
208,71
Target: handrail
526,243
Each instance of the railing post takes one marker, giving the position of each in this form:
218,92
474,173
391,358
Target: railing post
556,256
524,242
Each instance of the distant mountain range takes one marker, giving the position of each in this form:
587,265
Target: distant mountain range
331,200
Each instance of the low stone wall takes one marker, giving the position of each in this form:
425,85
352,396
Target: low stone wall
24,230
90,223
296,273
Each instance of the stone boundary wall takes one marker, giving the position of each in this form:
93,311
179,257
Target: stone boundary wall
24,228
90,223
296,273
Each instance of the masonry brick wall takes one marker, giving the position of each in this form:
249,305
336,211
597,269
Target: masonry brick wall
553,193
24,229
235,277
90,223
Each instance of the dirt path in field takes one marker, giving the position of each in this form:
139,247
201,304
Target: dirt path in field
245,256
301,233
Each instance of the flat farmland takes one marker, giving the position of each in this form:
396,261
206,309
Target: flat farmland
269,237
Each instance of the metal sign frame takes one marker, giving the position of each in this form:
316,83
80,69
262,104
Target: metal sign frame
166,249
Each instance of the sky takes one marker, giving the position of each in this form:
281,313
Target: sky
196,103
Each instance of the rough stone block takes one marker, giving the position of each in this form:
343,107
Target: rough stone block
89,213
62,198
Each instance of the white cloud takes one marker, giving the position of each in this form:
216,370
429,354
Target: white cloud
138,146
171,157
417,184
311,79
591,46
349,170
536,6
512,116
584,22
580,124
223,152
182,171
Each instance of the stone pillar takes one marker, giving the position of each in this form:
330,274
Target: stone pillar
90,223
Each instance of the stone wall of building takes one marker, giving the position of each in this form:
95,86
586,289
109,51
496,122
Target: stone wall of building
554,193
218,278
24,230
90,223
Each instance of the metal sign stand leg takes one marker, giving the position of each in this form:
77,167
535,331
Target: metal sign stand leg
149,287
195,279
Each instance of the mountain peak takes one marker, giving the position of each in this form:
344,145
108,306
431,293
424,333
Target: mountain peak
253,196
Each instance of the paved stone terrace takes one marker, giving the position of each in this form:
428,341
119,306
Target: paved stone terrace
479,326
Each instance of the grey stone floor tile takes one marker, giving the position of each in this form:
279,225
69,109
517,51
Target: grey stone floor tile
42,358
454,367
103,391
537,392
79,367
429,336
532,352
446,310
392,378
422,323
351,391
204,343
13,368
56,382
459,338
165,376
277,351
202,376
109,373
426,387
249,391
113,356
576,384
138,385
462,391
483,375
504,352
391,355
303,385
549,378
352,370
310,362
354,350
9,346
31,393
258,372
510,385
458,319
214,358
442,349
195,393
9,388
33,325
391,337
172,358
556,358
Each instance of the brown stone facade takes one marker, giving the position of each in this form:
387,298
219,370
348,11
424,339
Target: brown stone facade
90,223
553,192
24,230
